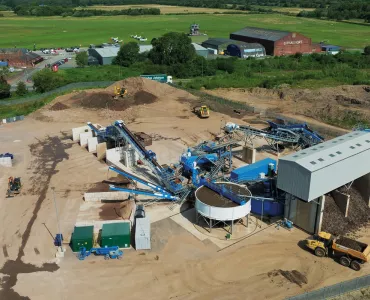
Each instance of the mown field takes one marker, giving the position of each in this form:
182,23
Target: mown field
63,32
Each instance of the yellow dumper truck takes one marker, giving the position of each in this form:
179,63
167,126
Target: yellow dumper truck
351,253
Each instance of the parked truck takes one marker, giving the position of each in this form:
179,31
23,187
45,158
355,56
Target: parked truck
351,253
163,78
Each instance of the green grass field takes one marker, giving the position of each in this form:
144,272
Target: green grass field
64,32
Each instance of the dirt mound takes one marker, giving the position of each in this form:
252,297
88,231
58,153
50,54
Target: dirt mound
103,100
143,97
334,220
59,106
138,84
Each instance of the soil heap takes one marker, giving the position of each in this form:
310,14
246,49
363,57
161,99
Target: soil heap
140,91
334,221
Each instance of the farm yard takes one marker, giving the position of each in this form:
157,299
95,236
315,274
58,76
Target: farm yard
59,32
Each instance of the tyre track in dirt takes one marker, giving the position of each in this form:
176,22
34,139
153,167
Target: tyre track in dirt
47,154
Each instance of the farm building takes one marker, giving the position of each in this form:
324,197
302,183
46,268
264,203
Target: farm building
19,57
276,42
106,55
245,50
201,51
218,44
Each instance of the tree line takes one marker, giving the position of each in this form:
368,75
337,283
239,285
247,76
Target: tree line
65,11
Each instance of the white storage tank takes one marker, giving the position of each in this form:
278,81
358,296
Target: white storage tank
142,234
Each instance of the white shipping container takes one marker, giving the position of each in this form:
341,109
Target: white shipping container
142,234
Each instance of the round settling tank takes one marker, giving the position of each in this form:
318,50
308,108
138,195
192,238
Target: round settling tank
214,206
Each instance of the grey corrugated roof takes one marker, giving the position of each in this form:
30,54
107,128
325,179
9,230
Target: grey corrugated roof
261,33
332,151
217,41
107,52
198,47
145,48
250,46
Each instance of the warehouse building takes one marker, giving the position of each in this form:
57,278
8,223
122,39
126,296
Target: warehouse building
106,55
217,44
276,42
19,57
199,50
245,50
309,174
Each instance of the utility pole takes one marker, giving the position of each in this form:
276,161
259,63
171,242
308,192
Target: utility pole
56,210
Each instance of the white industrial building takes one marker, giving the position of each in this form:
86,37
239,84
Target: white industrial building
307,175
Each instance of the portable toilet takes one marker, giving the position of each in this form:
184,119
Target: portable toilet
83,236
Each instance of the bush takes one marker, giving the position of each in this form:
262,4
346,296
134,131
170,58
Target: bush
82,59
367,50
21,89
4,88
227,65
127,55
47,80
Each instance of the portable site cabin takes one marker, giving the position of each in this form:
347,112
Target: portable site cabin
142,234
82,236
116,234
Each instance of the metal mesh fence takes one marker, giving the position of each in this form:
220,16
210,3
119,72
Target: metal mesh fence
335,290
68,87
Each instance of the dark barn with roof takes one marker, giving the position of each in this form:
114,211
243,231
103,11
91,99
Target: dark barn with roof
276,42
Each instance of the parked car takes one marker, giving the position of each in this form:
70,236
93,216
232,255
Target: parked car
46,51
7,155
69,49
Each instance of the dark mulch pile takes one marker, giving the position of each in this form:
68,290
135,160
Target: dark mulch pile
346,242
107,101
334,220
59,106
293,276
143,97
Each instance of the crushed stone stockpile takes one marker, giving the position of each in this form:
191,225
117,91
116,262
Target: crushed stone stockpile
334,220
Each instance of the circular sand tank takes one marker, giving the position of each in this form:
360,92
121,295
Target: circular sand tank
212,205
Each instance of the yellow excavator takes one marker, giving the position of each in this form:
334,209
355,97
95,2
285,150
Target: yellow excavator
201,111
119,92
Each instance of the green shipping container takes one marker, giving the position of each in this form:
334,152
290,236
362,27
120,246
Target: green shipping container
116,234
82,237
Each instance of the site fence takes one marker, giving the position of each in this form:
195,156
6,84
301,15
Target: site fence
66,88
336,289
